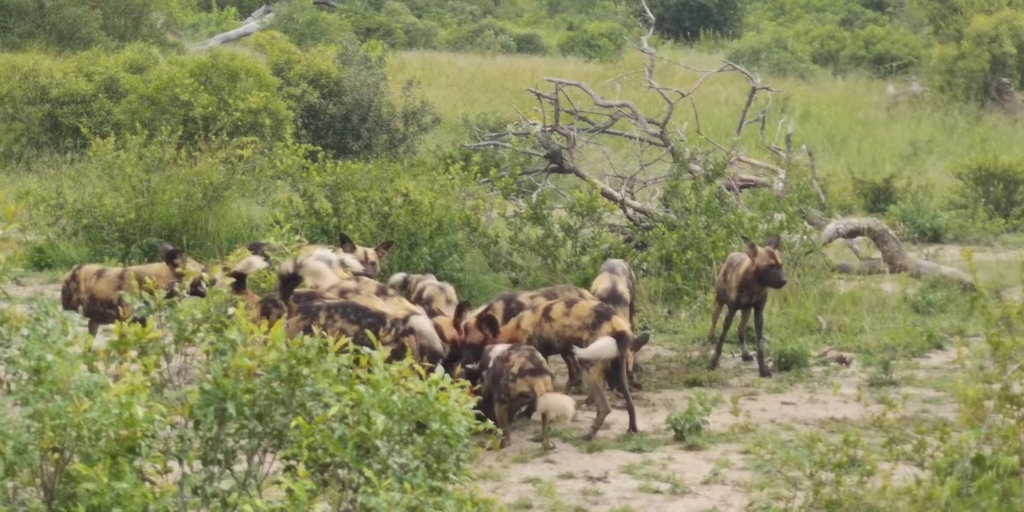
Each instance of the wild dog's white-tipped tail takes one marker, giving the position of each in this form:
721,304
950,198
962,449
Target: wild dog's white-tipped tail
351,263
426,336
604,347
557,406
250,264
396,281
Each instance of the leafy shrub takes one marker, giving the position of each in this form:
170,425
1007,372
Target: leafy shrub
689,426
75,26
338,99
917,217
883,50
529,43
687,20
772,50
487,36
992,47
993,188
185,418
791,356
307,26
877,195
128,194
599,40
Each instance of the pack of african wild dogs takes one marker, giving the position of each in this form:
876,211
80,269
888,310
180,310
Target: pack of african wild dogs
501,347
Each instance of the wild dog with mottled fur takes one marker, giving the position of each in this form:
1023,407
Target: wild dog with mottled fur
742,285
475,329
587,330
437,298
615,285
370,257
95,291
518,375
402,333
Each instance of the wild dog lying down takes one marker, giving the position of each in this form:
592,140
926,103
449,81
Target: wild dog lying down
516,375
402,333
437,298
742,285
615,285
370,257
588,330
95,291
478,328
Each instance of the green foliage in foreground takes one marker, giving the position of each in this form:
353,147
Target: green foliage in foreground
209,411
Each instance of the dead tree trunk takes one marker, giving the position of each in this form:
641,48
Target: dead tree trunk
895,259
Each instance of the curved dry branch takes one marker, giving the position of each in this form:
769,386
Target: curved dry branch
894,257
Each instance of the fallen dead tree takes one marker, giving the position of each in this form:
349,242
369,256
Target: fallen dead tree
256,21
569,133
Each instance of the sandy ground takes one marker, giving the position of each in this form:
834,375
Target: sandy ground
658,473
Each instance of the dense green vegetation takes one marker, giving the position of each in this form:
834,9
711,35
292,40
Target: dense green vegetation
118,133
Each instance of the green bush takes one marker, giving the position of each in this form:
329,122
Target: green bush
211,412
791,356
992,188
338,99
918,218
687,20
690,425
772,50
127,194
599,40
877,195
992,47
75,26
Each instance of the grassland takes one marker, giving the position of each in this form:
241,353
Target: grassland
909,339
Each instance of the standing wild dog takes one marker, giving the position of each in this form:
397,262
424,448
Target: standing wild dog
742,285
370,257
615,285
95,291
401,333
477,328
517,375
587,330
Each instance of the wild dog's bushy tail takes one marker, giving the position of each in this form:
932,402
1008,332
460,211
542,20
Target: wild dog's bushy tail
69,289
428,342
240,272
556,406
605,347
398,282
288,279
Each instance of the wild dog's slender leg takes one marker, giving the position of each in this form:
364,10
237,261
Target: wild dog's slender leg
528,411
744,318
721,339
714,320
94,327
630,409
595,386
762,367
545,423
575,381
501,413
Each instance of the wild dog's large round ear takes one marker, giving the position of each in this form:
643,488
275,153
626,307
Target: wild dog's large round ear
259,249
170,255
774,242
460,312
384,248
640,341
751,247
163,248
346,243
489,325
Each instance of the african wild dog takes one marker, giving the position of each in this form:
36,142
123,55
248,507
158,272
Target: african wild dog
615,285
370,257
475,328
580,329
517,375
95,291
402,333
240,278
437,298
742,285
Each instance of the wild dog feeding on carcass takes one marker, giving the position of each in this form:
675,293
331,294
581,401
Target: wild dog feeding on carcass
615,285
404,332
96,291
742,285
516,375
593,333
477,328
